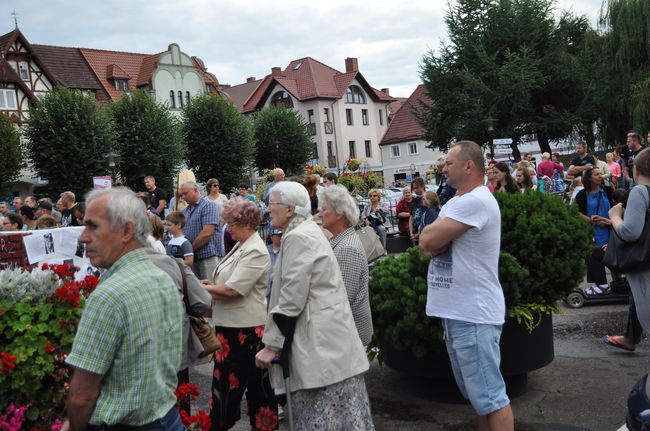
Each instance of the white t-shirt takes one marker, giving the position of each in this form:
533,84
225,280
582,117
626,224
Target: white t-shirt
463,283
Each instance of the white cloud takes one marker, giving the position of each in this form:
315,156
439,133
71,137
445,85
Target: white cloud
241,39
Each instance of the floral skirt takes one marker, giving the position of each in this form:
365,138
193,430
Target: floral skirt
341,406
235,373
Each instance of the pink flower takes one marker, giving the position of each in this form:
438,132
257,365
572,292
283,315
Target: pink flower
57,425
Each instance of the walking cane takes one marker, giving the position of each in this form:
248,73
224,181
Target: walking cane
287,326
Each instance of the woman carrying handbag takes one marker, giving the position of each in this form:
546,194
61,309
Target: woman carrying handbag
632,228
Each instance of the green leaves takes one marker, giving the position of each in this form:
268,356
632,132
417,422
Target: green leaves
282,140
12,157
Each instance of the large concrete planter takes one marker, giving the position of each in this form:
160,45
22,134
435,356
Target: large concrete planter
521,352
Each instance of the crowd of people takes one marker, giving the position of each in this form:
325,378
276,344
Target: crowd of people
201,254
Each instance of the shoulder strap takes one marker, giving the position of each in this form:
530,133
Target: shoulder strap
185,300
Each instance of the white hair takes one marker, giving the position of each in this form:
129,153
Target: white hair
293,195
342,202
122,207
191,184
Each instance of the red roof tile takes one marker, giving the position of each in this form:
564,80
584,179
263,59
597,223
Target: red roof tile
149,63
307,78
114,71
239,94
208,77
68,67
100,60
404,125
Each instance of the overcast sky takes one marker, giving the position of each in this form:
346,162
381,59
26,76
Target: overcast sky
238,39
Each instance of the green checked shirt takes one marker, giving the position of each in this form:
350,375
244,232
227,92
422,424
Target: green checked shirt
130,332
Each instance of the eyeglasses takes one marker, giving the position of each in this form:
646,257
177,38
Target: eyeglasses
214,185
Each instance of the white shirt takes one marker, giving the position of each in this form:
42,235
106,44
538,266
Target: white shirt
463,283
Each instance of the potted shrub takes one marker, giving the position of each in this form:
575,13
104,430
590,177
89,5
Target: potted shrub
543,248
352,164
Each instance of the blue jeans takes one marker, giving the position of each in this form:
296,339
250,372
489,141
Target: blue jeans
475,356
170,422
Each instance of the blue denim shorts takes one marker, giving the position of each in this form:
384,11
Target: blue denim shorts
475,356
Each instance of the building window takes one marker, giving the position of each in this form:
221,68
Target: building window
310,116
413,148
172,99
24,71
330,153
187,97
315,156
121,84
368,149
394,150
281,98
353,150
364,117
326,111
7,99
348,116
354,95
180,99
381,117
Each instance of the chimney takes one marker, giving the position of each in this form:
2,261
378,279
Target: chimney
386,91
351,64
250,79
276,71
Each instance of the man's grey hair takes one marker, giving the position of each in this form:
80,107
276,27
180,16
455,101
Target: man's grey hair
190,184
342,203
294,195
124,206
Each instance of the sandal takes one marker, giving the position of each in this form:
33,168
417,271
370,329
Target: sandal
614,341
596,290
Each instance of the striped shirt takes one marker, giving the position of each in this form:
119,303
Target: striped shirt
204,212
354,270
130,333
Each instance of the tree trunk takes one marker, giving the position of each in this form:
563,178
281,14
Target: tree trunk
590,137
515,149
542,140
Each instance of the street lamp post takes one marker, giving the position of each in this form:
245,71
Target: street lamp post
489,124
111,158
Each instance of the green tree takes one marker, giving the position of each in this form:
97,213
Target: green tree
509,59
68,136
627,58
12,157
282,140
149,141
219,140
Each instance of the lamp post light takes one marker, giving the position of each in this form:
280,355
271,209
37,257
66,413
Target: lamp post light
111,158
489,124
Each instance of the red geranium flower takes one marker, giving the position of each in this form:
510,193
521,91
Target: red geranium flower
259,331
222,354
45,267
187,391
63,271
202,419
49,348
89,283
186,419
233,380
266,419
241,337
7,362
68,294
217,374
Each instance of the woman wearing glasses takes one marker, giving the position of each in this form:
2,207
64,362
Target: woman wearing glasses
374,216
212,188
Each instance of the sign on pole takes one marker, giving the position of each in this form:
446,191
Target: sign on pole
103,182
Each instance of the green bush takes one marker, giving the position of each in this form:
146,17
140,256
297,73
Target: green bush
543,246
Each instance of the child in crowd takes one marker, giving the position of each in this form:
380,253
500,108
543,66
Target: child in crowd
178,245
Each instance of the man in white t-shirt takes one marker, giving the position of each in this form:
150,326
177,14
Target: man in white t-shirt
463,285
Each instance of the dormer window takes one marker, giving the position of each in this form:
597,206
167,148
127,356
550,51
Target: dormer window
281,98
354,95
121,84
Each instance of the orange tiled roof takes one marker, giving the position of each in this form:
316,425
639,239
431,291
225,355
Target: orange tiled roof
208,77
239,94
404,125
100,60
149,63
307,78
115,71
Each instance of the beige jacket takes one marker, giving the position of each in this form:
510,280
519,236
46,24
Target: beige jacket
307,283
245,269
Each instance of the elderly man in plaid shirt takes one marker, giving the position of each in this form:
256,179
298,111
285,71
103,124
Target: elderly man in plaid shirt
203,229
127,349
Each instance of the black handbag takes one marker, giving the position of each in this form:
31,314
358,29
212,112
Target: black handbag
625,257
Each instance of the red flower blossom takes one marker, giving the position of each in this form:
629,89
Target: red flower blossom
259,331
241,337
187,391
2,310
233,381
266,419
68,294
49,348
186,419
7,362
89,283
63,271
222,354
45,267
217,374
202,419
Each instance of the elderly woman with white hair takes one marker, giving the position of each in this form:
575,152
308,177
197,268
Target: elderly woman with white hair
340,214
326,358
